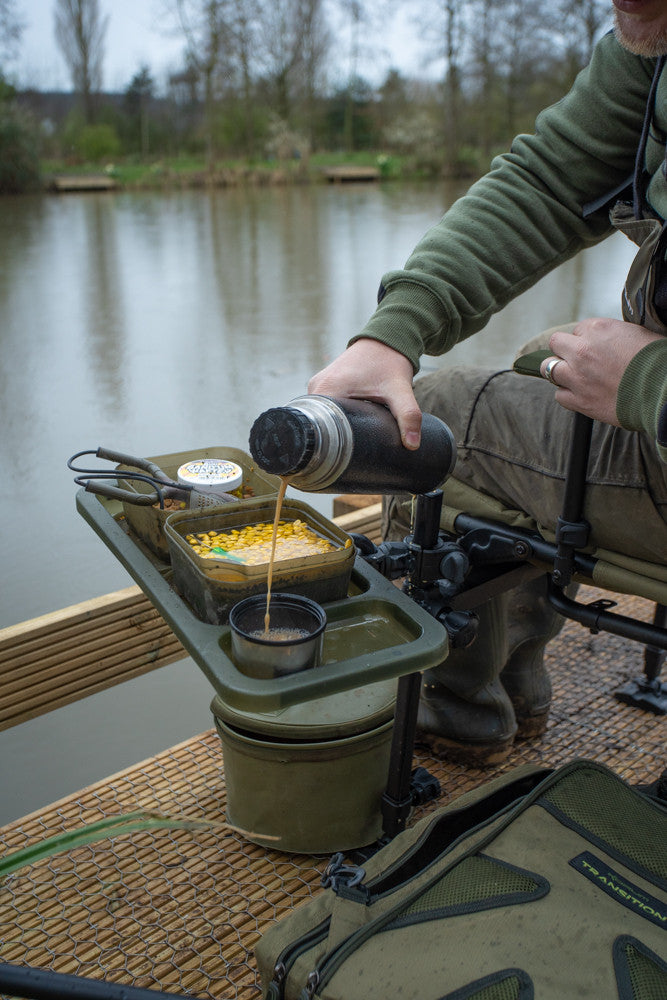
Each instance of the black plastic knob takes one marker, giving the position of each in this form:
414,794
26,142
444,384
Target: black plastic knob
282,440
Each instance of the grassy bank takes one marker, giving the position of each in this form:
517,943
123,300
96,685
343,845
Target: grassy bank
191,172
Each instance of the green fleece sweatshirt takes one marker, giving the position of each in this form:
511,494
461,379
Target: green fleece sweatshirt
526,216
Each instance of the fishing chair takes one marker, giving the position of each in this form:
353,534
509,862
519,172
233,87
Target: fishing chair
458,557
570,560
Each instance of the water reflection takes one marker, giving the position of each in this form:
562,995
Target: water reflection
104,305
156,323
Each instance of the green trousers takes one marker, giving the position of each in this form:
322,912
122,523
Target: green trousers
513,442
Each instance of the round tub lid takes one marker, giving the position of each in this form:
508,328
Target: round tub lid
211,475
358,710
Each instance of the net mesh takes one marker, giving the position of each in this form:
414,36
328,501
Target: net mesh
474,880
648,979
507,987
181,910
626,823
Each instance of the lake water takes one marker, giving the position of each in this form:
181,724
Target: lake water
154,323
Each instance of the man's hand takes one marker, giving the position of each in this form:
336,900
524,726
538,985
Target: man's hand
370,370
590,364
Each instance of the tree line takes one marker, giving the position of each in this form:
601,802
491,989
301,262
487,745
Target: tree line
281,79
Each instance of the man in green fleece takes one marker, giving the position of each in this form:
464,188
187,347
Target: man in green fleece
602,147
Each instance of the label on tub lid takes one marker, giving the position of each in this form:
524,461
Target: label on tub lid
211,475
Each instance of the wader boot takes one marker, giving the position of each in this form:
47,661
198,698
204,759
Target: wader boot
476,702
526,681
531,624
465,713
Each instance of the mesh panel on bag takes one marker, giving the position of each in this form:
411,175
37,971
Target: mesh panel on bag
475,880
601,804
639,967
510,984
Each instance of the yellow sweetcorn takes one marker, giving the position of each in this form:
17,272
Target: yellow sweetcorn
252,544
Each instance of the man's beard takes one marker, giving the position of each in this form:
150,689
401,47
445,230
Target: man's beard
650,46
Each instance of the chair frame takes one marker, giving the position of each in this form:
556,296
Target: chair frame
452,574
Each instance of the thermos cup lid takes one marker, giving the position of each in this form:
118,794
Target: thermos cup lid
282,440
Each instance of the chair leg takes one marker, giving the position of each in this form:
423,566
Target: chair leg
649,692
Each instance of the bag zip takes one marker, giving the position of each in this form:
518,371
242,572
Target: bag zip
336,875
464,819
289,955
351,887
330,963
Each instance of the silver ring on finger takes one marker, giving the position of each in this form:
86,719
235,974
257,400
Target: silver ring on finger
550,368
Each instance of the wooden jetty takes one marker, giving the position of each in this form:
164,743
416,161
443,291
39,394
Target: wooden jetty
69,183
180,910
349,173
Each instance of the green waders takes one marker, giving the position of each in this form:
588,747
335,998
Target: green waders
513,441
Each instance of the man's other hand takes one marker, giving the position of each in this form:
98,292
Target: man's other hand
590,364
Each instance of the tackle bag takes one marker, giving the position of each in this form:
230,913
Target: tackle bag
544,884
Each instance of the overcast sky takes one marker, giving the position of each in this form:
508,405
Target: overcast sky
137,35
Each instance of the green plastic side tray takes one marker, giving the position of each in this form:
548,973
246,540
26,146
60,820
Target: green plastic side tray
373,634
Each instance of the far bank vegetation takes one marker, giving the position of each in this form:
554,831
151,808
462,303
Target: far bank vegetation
274,89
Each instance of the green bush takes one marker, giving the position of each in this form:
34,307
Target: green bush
97,142
19,160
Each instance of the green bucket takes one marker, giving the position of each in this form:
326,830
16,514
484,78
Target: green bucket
311,775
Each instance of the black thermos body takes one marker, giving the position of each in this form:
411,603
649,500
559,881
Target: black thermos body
327,445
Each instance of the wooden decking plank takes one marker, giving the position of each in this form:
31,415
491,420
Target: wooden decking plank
181,910
75,652
70,183
350,172
109,647
74,668
86,636
55,659
365,521
72,615
20,702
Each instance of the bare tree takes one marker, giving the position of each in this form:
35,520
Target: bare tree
316,44
292,45
444,26
582,22
212,30
483,62
513,45
137,103
80,29
11,28
356,12
454,32
525,42
243,26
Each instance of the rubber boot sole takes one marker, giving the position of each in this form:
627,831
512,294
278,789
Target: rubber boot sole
472,754
531,726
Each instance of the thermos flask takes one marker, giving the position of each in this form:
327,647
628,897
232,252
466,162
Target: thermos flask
327,445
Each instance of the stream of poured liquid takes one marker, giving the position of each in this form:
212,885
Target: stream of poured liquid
269,579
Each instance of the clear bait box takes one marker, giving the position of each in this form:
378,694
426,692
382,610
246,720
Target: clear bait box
212,586
148,523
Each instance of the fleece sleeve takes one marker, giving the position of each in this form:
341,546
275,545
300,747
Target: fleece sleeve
641,404
524,217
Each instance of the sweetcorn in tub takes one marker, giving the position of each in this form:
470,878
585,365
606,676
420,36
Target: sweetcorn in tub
211,586
252,544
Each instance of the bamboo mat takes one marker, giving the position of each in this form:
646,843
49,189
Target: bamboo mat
180,910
